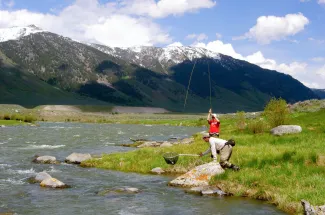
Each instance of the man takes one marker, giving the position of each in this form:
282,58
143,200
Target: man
223,147
214,124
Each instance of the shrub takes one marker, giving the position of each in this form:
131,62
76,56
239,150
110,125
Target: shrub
6,117
240,120
276,112
30,119
13,117
257,126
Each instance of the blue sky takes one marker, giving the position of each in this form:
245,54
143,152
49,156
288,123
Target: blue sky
291,39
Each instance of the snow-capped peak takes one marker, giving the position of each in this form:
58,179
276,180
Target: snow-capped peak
15,33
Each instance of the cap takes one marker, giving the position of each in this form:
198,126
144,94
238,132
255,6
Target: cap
214,115
205,135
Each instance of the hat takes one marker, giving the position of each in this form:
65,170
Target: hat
214,115
205,135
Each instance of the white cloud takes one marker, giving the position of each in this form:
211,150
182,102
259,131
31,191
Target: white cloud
10,3
219,36
321,1
318,59
309,75
304,0
270,28
163,8
175,44
197,37
316,40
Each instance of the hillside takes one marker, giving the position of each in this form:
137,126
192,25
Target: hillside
319,92
148,76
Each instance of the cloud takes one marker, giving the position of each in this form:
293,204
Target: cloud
10,3
309,75
219,36
175,44
197,37
304,0
321,1
316,40
273,28
318,59
162,8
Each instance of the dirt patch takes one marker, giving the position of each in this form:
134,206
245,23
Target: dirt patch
121,109
60,108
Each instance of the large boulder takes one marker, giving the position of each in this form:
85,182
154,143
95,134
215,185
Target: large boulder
45,160
77,158
199,176
312,210
53,183
286,129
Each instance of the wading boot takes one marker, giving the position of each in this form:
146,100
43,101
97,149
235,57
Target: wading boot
234,167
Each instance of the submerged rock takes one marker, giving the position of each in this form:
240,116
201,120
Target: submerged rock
45,160
121,190
206,190
157,170
53,183
312,210
286,129
77,158
199,176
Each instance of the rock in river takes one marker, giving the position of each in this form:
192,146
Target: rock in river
312,210
41,176
199,176
157,170
206,190
45,159
77,158
53,183
121,190
286,129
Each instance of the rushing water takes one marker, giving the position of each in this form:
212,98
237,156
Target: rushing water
18,145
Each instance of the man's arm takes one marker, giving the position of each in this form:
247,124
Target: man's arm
209,115
206,152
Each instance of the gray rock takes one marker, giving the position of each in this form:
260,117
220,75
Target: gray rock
213,191
116,191
312,210
185,141
2,126
197,190
53,183
41,176
150,144
286,129
166,144
199,176
157,170
77,158
45,159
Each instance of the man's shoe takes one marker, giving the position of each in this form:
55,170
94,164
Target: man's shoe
235,168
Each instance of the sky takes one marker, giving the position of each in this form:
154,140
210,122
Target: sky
283,35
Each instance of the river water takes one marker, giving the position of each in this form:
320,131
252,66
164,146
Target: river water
19,144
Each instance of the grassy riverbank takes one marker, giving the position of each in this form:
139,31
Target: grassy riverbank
282,170
11,122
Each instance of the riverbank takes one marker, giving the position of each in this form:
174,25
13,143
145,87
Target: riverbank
11,122
281,170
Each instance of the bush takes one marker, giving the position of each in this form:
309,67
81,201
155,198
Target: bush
30,119
257,126
276,112
240,120
13,117
6,117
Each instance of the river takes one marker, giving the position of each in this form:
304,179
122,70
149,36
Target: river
18,145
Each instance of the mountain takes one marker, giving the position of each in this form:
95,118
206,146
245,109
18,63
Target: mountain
320,93
149,76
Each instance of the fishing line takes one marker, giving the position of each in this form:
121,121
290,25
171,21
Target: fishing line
189,83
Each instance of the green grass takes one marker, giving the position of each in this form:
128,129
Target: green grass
11,122
281,170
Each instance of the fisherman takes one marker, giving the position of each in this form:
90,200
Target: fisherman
222,147
214,124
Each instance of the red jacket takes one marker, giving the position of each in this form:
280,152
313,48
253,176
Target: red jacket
214,126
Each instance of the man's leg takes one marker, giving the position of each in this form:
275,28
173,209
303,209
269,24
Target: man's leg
225,155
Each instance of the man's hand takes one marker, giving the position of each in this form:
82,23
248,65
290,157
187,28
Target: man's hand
200,154
210,111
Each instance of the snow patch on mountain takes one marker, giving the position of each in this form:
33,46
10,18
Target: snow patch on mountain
15,33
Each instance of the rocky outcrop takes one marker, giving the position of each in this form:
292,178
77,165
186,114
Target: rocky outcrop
199,176
77,158
53,183
157,170
312,210
286,129
45,159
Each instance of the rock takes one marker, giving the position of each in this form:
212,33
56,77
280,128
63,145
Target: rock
122,190
53,183
213,191
150,144
166,144
158,170
185,141
312,210
41,176
199,176
77,158
45,159
2,126
286,129
197,190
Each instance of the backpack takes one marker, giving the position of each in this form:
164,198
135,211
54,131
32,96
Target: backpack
231,142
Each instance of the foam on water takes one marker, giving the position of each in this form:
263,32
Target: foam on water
11,181
23,172
44,146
